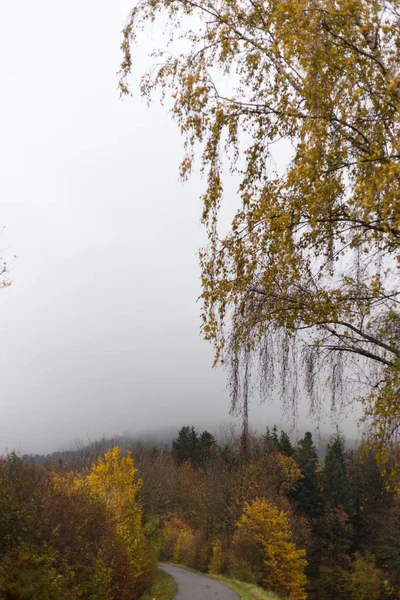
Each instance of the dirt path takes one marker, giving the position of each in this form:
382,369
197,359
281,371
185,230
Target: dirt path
192,586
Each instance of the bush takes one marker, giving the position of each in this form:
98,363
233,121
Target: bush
36,573
217,559
197,556
169,537
183,545
242,570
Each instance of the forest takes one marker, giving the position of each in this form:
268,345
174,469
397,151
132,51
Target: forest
290,112
269,513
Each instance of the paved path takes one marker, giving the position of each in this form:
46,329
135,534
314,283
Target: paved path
192,586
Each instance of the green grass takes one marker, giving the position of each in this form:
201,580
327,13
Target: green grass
164,587
246,591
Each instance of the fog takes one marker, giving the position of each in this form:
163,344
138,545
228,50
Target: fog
100,328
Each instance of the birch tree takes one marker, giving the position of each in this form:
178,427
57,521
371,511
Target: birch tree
305,284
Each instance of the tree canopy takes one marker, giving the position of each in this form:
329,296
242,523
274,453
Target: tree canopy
307,278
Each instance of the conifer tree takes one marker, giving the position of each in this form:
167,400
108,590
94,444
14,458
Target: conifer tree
388,545
334,542
335,484
206,444
186,446
284,444
271,439
308,493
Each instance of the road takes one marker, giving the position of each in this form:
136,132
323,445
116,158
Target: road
192,586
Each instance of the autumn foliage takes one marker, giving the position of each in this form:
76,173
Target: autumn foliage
292,109
264,538
270,513
72,536
276,515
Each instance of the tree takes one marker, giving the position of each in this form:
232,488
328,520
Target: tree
308,271
284,444
64,537
308,493
335,485
366,581
271,439
207,444
335,538
388,546
263,539
372,500
113,480
186,446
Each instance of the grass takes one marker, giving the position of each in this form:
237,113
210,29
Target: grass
245,591
164,587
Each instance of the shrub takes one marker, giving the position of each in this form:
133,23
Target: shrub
169,537
217,560
197,555
241,570
36,573
182,546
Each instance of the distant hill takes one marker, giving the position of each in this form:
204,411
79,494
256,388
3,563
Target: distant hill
83,454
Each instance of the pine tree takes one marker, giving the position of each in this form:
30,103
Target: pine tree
284,444
335,536
186,446
388,545
308,493
206,444
336,488
371,498
271,439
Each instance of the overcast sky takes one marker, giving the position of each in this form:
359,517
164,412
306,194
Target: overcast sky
100,328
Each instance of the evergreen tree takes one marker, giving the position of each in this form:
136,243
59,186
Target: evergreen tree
387,549
206,444
371,498
271,439
274,435
335,536
284,444
186,446
335,484
308,493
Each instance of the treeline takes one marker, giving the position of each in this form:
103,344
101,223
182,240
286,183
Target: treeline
70,535
275,515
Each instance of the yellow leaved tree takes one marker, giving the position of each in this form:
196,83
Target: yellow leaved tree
306,281
263,540
113,481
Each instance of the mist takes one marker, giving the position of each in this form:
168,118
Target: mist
100,326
